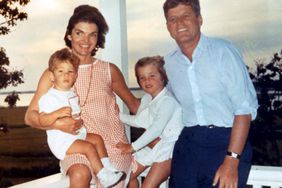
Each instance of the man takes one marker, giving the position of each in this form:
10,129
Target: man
210,81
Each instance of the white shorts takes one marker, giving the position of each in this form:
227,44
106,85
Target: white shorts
59,141
161,152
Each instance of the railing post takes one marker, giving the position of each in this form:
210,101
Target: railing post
116,50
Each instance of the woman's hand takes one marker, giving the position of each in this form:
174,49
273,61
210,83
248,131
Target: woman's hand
125,148
68,125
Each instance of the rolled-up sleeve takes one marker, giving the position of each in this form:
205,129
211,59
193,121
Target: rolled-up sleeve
238,84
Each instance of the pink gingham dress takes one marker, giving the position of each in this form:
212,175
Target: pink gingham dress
100,115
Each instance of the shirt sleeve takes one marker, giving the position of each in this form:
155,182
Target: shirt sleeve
238,84
43,104
47,103
132,120
164,113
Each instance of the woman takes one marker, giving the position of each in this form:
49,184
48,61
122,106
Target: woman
96,85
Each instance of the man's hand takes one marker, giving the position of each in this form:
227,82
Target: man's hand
68,125
227,173
125,148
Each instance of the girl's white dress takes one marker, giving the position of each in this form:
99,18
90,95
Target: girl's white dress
161,117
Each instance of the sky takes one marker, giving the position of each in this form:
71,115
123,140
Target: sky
254,26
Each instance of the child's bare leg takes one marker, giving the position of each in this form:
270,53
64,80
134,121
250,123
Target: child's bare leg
133,182
99,144
158,173
89,150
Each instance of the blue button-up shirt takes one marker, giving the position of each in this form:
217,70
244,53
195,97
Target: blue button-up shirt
214,87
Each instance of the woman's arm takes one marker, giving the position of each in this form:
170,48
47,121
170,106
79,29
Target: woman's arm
32,113
121,89
48,119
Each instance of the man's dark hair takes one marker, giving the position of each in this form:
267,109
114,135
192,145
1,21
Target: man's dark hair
195,5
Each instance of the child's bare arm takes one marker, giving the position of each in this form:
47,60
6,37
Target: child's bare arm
48,119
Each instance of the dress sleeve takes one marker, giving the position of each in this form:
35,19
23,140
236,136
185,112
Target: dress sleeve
165,110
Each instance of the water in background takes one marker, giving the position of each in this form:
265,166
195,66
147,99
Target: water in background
25,97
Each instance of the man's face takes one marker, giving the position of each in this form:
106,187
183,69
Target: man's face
183,25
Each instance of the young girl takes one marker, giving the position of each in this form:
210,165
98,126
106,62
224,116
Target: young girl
61,101
160,114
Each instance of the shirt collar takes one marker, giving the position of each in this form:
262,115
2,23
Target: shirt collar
202,45
159,95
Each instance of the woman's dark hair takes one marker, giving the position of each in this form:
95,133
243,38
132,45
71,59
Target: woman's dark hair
89,14
157,61
195,5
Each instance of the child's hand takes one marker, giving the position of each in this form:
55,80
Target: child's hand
117,108
125,148
153,143
68,124
63,112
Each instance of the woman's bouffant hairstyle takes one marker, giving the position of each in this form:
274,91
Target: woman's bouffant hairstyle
195,5
88,14
157,61
61,56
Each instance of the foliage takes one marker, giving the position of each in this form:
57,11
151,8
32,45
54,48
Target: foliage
266,129
12,99
8,77
10,13
9,10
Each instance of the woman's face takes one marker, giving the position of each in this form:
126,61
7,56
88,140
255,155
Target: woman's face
150,79
83,38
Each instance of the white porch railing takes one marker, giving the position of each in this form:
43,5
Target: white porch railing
259,176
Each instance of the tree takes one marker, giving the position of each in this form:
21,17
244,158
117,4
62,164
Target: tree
8,77
12,99
266,129
9,10
9,15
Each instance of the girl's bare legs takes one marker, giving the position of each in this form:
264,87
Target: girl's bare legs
158,173
133,182
88,149
80,176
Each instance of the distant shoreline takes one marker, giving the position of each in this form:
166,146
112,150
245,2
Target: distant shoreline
26,96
